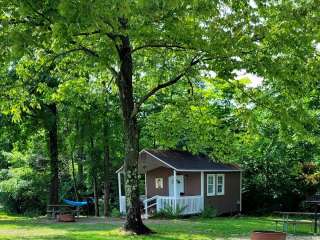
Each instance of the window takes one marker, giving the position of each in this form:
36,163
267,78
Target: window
215,184
211,184
220,184
159,183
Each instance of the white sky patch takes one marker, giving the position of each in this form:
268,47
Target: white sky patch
206,73
256,81
253,4
142,74
236,58
316,45
225,10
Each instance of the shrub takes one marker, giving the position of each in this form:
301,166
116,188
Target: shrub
115,212
169,212
22,190
208,212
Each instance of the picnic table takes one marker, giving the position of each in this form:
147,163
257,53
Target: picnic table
286,220
316,204
55,209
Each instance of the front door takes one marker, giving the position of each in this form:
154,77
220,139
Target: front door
180,185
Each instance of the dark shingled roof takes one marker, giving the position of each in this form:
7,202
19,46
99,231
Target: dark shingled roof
183,160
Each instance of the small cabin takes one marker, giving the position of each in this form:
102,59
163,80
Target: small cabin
179,179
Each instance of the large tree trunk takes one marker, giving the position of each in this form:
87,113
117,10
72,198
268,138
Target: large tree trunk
124,81
106,189
53,151
106,162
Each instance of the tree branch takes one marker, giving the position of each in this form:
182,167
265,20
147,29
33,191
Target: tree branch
37,12
107,22
248,95
84,49
162,45
174,80
95,54
26,20
65,53
195,60
89,51
87,33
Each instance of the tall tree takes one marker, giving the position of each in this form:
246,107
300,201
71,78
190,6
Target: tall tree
148,46
53,150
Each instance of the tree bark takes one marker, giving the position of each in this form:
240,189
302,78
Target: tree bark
53,151
124,81
95,195
94,178
106,191
80,159
74,179
80,176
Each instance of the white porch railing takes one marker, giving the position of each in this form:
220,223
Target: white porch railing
187,204
148,203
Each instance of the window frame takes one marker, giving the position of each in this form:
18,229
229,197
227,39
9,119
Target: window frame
222,184
160,186
213,193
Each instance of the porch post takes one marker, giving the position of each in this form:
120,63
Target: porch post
145,185
146,209
145,201
119,187
175,189
202,190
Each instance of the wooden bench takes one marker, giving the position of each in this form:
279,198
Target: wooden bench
76,212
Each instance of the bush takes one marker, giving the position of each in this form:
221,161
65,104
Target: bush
169,212
33,212
208,212
23,191
115,212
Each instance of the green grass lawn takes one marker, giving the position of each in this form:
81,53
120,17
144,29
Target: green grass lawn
15,227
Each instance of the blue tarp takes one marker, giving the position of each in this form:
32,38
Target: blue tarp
74,203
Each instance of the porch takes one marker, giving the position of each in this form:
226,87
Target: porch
186,205
175,200
184,183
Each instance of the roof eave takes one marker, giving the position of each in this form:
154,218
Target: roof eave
182,170
164,162
120,169
207,170
191,170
